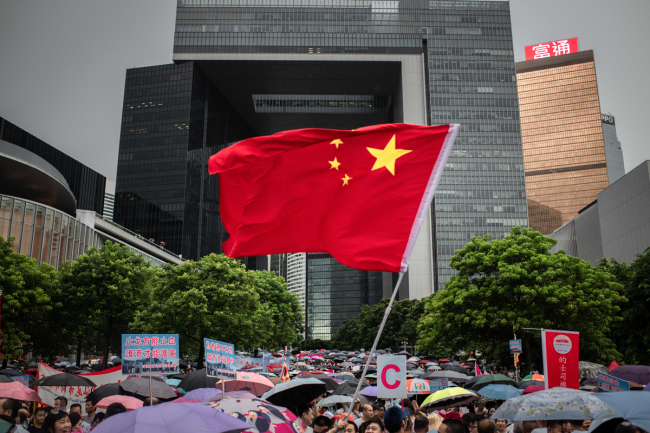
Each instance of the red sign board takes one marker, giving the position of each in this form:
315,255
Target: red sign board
561,350
552,49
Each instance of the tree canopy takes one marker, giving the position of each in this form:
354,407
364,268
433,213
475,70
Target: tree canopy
518,281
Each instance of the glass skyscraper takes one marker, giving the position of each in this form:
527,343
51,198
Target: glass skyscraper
613,150
342,64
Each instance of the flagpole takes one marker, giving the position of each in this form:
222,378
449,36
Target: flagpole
374,346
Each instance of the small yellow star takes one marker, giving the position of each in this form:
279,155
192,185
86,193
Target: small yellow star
335,164
345,179
336,142
386,157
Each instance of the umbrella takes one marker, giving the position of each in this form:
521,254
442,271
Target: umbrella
368,391
105,391
142,385
64,379
184,400
5,379
499,392
525,384
591,369
344,377
535,376
18,391
533,388
456,368
433,368
202,394
349,387
330,384
440,361
261,415
418,386
413,359
173,382
403,352
130,403
172,418
246,381
295,392
445,374
631,405
334,399
424,361
11,372
632,373
197,379
612,365
416,372
448,397
234,394
498,379
553,404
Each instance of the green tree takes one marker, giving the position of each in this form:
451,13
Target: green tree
348,336
283,306
632,333
100,293
26,300
518,281
211,298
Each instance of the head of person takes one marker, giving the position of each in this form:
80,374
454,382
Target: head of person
39,416
63,403
529,426
627,427
486,426
75,408
367,412
517,427
558,426
114,409
58,422
374,425
98,418
23,414
501,424
9,407
451,426
305,414
75,421
150,401
421,424
434,421
491,411
90,409
322,424
470,421
378,411
480,406
351,428
577,425
395,419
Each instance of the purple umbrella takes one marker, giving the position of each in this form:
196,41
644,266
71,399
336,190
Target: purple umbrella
172,418
202,394
369,391
234,394
632,373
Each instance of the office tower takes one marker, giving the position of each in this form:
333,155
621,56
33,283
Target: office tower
562,134
613,150
109,200
343,64
86,184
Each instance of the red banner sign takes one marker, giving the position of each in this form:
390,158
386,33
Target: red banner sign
561,350
552,49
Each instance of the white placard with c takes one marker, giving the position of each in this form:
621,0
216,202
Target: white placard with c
391,376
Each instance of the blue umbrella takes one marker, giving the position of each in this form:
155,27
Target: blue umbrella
500,392
369,391
554,404
202,394
173,382
631,405
172,418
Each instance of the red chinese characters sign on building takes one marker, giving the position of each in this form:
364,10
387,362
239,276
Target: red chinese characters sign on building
561,351
552,49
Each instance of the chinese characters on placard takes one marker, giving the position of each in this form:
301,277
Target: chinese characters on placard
562,361
149,353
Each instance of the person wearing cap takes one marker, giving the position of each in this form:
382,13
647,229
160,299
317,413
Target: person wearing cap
395,419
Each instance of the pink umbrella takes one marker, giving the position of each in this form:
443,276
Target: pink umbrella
247,381
534,388
185,400
130,403
18,391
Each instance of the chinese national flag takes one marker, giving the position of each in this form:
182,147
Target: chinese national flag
358,195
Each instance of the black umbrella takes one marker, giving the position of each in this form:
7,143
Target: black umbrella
295,392
106,391
330,384
335,368
496,379
526,383
468,384
455,368
295,352
403,352
349,387
11,372
5,379
144,387
197,379
64,379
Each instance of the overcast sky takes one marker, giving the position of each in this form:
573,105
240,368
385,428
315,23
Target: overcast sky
63,63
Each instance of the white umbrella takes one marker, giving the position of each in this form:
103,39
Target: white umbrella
419,386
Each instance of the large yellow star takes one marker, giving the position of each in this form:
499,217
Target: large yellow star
336,142
335,164
387,156
345,179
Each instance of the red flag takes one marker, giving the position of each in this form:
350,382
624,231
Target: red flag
477,371
359,195
284,376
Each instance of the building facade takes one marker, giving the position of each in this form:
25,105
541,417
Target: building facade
613,149
109,200
564,148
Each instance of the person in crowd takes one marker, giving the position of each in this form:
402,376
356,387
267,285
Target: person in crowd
480,409
378,410
355,409
558,426
470,422
150,401
516,427
491,411
627,427
75,422
486,426
501,424
37,422
529,426
90,412
9,407
578,425
451,426
373,425
434,422
306,416
21,418
421,424
322,424
98,418
395,419
367,412
351,427
61,403
75,408
114,409
58,422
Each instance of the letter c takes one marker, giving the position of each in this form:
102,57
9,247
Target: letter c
383,376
